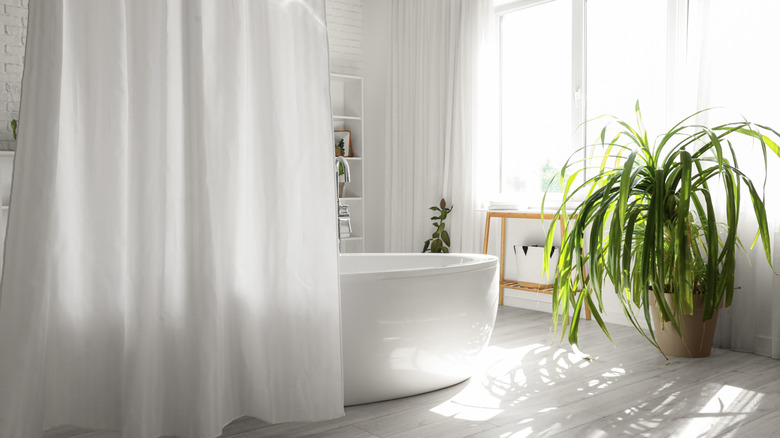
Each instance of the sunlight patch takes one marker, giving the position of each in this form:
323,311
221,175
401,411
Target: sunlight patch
727,407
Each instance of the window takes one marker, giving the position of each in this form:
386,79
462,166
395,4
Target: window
566,61
536,66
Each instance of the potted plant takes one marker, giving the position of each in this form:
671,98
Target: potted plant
440,239
648,224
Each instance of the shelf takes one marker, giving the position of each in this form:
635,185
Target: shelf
542,289
513,284
347,115
345,78
346,98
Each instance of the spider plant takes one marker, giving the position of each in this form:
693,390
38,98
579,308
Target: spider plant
648,223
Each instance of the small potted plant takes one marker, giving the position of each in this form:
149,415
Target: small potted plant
440,239
648,225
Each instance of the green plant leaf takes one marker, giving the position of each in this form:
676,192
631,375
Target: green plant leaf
625,186
683,298
445,237
761,218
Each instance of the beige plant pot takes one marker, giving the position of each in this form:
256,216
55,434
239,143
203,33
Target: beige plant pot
697,336
341,190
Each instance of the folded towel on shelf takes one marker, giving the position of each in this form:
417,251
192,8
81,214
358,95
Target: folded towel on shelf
507,202
505,206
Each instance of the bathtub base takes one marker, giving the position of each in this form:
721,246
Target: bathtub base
413,385
407,333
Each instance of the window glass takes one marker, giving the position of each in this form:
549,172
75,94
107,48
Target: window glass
626,61
536,77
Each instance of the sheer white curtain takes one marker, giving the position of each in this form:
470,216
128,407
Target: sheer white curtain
439,100
738,70
171,261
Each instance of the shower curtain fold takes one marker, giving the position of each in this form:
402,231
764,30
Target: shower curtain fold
171,258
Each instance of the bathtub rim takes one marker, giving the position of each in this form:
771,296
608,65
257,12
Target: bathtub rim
476,262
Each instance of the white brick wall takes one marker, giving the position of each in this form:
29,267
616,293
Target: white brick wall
345,36
13,32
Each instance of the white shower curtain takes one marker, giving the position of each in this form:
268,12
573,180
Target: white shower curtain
439,104
171,260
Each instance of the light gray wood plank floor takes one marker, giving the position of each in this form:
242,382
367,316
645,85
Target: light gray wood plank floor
529,386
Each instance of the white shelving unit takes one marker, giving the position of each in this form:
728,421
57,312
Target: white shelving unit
347,105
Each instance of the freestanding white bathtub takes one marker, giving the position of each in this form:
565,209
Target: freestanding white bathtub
413,323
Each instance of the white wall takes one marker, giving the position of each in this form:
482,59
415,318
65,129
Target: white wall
13,34
345,36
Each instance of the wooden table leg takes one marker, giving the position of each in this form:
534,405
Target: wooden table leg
487,233
501,262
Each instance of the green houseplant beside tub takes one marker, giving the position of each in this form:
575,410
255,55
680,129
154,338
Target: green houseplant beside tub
648,224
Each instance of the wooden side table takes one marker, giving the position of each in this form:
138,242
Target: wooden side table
504,215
